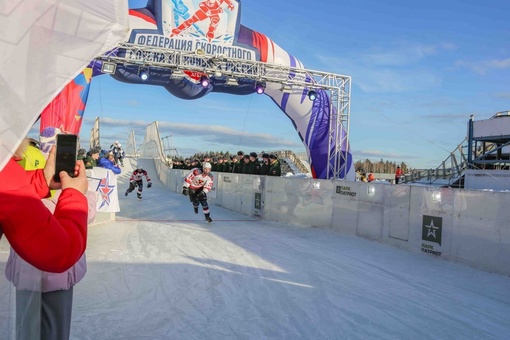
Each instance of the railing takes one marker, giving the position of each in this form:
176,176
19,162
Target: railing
449,173
291,158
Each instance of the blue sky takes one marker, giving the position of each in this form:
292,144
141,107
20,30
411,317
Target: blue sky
419,70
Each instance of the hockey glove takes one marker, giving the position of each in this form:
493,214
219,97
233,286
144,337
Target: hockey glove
185,191
149,185
201,195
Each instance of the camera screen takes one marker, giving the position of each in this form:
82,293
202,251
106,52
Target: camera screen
66,155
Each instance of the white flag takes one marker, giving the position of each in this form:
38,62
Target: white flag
45,44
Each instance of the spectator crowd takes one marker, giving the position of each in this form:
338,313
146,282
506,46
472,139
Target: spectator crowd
111,159
240,163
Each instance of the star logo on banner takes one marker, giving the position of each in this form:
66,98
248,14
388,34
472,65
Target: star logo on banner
105,189
431,229
312,195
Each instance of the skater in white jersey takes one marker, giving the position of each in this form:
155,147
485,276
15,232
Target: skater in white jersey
136,180
196,185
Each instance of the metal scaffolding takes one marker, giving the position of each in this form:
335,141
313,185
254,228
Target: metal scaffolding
291,79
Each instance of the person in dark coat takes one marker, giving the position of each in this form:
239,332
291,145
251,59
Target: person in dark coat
254,164
275,169
264,167
91,158
237,166
246,165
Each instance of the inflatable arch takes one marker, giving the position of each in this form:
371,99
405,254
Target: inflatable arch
212,28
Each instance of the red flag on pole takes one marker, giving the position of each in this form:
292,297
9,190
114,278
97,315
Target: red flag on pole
65,112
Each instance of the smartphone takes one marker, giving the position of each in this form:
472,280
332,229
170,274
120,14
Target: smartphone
67,150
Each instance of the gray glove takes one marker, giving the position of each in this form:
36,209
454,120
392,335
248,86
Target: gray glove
201,195
149,184
185,191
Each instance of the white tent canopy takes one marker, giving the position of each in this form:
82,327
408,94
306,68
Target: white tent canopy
45,44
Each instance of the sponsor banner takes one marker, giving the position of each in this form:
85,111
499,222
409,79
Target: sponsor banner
258,201
432,229
187,45
104,183
345,191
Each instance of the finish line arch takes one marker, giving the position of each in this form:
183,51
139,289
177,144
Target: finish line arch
177,44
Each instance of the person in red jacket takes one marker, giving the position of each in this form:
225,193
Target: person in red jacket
49,242
398,174
44,301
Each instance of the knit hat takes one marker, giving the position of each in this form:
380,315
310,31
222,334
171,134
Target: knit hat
48,138
254,155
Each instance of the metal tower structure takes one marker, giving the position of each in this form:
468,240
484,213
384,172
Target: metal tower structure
168,146
489,142
291,79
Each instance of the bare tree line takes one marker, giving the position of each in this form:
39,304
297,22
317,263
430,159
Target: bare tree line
381,167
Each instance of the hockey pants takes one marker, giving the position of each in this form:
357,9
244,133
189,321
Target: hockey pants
134,184
196,201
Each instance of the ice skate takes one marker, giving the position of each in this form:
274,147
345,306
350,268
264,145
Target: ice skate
139,197
208,219
126,193
195,209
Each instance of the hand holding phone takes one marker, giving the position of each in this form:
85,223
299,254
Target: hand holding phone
65,156
79,182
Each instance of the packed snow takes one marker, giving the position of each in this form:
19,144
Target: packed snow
161,272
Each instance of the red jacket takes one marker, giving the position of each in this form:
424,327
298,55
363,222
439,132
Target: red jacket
49,242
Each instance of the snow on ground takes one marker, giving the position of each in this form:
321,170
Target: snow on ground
162,272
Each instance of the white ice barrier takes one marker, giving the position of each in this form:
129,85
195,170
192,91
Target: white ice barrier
303,201
481,229
465,226
228,192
